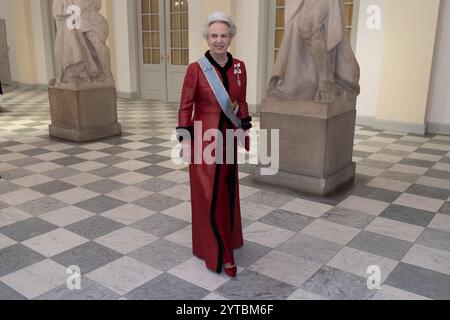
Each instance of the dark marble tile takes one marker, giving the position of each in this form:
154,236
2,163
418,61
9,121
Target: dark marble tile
167,287
338,285
408,215
14,258
430,192
376,193
87,257
420,281
249,285
380,245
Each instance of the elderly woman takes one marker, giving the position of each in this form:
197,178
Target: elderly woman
209,87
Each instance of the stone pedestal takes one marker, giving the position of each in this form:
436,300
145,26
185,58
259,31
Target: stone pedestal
316,144
82,115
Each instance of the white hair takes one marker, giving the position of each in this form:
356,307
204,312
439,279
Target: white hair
219,17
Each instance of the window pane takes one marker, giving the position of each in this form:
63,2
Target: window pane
280,18
348,14
185,57
154,6
155,56
146,39
175,43
176,57
174,5
280,23
184,21
184,5
155,23
175,21
147,56
146,23
155,39
185,39
145,4
278,38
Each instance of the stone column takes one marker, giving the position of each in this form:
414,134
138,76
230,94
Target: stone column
85,114
316,143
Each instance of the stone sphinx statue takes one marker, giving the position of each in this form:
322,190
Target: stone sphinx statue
81,54
315,61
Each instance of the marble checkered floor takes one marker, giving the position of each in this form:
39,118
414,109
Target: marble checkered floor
119,210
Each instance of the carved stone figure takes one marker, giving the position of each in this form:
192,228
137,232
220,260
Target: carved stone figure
81,54
315,61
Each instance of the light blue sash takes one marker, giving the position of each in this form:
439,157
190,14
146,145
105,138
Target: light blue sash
219,90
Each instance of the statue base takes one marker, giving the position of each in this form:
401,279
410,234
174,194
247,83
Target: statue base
316,144
83,115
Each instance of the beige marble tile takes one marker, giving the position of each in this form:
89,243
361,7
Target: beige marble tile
331,231
12,215
182,237
393,185
92,155
442,166
130,178
434,182
176,176
409,169
254,211
307,208
181,211
429,258
357,262
385,158
368,171
123,275
66,216
126,240
129,194
195,271
37,279
419,202
440,222
436,146
20,196
32,180
369,206
424,156
395,229
75,195
6,242
82,179
128,214
55,242
181,191
285,267
266,235
43,167
88,166
401,147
